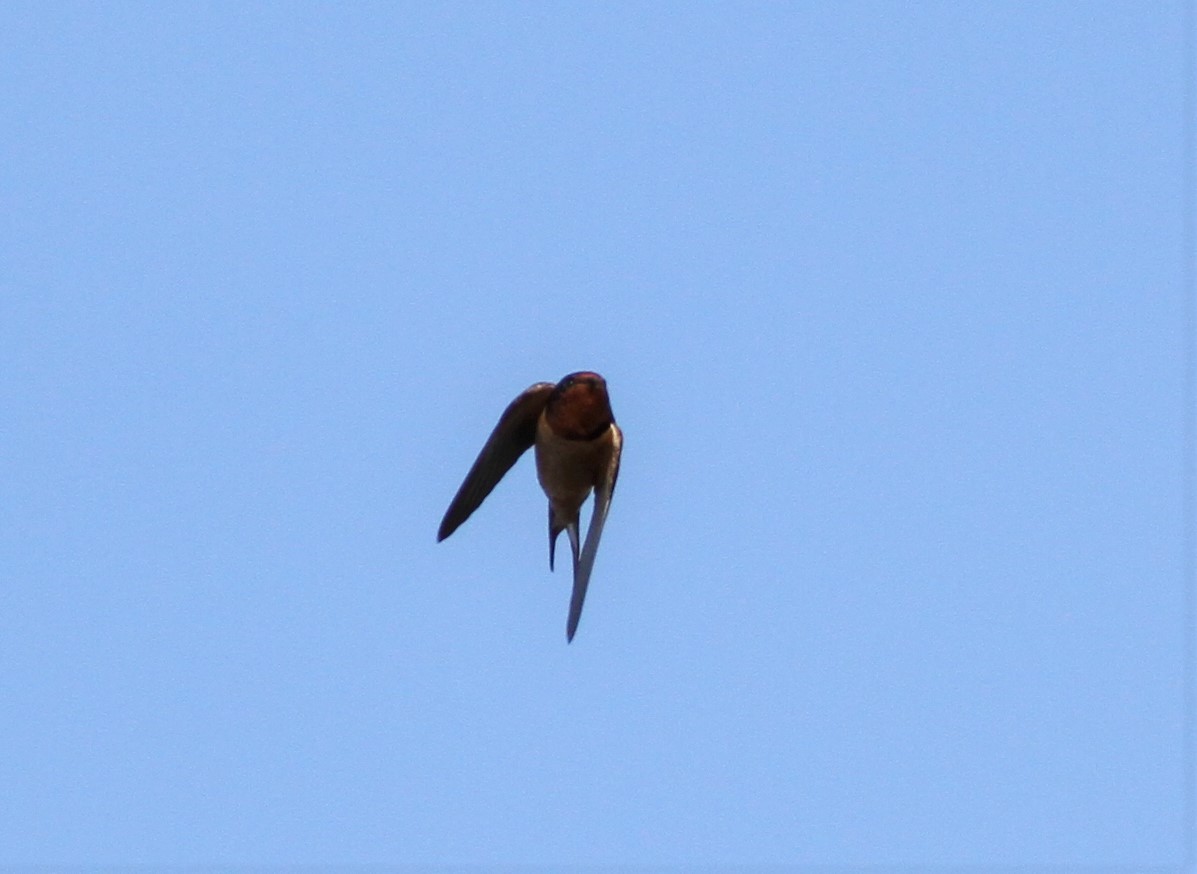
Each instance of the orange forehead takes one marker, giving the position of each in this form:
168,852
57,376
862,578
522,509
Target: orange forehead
581,394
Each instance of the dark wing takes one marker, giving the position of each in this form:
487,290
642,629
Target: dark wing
512,437
598,518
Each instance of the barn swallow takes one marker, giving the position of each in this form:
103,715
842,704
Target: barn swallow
577,449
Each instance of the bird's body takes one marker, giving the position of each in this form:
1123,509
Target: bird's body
578,447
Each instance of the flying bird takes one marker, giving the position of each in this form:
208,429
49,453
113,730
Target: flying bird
577,445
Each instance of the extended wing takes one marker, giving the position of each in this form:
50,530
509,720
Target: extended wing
598,517
512,437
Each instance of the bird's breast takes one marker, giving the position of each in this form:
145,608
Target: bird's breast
569,469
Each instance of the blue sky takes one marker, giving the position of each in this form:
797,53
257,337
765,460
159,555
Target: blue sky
889,298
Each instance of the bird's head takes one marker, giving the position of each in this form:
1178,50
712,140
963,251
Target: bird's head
578,408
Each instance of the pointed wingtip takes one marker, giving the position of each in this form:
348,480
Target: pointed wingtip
447,527
571,624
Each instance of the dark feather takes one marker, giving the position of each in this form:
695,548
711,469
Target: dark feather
512,437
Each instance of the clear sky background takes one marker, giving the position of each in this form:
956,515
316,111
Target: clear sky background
889,297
